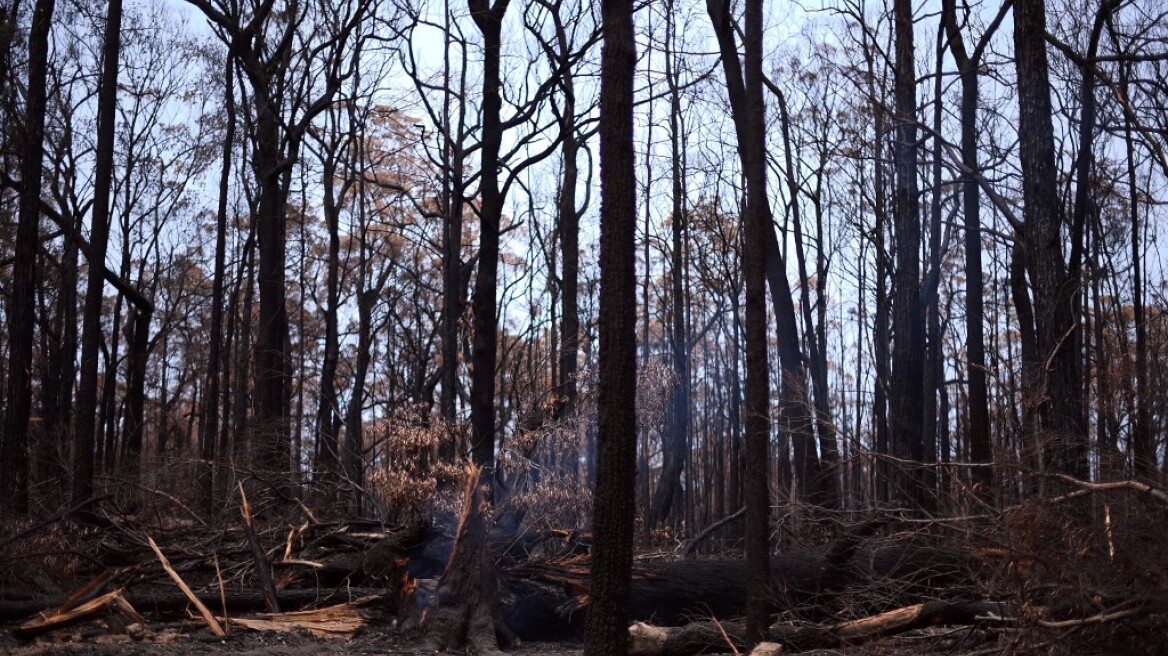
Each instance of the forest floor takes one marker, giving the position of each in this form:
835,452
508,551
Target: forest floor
1108,599
189,639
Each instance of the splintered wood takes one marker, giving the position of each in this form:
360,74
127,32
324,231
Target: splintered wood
702,637
65,615
339,621
216,628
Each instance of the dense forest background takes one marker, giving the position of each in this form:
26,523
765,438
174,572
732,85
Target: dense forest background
337,247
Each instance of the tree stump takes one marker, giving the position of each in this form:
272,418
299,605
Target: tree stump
465,614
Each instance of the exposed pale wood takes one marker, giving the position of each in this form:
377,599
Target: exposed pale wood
1087,487
87,591
236,600
222,591
338,621
60,618
214,625
699,637
466,611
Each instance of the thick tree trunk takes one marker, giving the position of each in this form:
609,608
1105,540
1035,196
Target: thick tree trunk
906,394
483,350
614,505
465,614
14,454
270,428
1060,409
83,442
760,257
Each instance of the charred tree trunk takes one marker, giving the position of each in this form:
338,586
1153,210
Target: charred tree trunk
978,407
14,455
83,442
906,392
453,279
466,612
569,233
209,424
1143,442
1028,338
934,367
614,505
328,419
489,19
760,257
1060,409
668,493
270,429
134,421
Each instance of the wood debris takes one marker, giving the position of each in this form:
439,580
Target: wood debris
216,628
337,621
63,616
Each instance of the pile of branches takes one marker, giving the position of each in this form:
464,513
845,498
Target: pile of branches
138,564
1082,568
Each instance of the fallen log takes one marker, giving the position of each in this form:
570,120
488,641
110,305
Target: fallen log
546,600
702,637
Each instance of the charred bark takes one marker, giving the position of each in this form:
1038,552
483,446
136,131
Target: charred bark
614,506
14,454
465,612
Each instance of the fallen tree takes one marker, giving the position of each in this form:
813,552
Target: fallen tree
546,600
540,597
702,637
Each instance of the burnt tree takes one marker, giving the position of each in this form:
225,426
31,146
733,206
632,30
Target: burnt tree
744,89
614,503
906,393
84,431
14,454
1056,387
